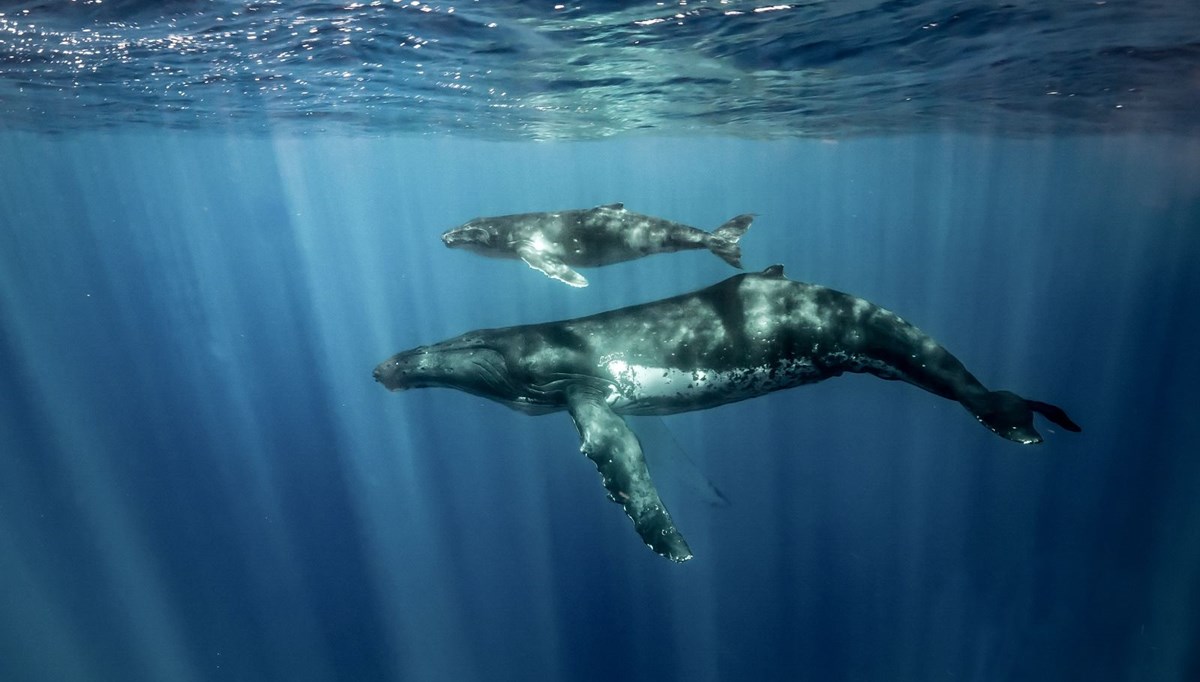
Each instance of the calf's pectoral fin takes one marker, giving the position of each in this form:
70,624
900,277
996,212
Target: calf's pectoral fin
550,266
607,440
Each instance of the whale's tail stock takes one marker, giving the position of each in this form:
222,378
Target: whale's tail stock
723,241
1011,416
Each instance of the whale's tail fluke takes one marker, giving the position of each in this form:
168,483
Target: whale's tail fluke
1011,416
723,241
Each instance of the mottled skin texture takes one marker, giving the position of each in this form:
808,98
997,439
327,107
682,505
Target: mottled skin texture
556,242
741,338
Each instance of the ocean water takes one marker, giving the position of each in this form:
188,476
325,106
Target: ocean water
216,218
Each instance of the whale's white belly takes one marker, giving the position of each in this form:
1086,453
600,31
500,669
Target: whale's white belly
645,389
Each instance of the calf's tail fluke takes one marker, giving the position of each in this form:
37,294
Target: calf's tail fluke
723,241
1011,416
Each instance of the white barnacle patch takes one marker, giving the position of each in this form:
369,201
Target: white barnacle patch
624,379
539,242
637,385
629,379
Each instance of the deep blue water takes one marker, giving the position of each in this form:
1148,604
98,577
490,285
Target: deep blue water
199,479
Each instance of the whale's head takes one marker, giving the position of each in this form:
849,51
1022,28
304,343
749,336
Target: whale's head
480,234
468,363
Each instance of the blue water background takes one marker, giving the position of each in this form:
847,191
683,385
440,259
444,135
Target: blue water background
200,480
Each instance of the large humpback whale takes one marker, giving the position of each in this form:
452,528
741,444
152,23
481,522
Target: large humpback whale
741,338
553,243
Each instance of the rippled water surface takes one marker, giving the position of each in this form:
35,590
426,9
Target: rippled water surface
506,69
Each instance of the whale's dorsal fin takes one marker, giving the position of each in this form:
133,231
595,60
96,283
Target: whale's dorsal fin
550,266
774,272
615,207
607,440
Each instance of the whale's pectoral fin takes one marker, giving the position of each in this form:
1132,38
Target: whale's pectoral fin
611,445
550,266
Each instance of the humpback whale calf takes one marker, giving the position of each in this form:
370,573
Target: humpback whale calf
553,243
741,338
